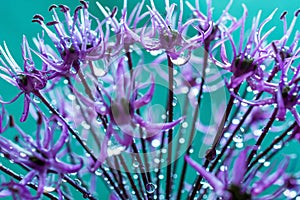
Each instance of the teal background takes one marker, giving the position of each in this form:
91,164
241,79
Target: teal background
16,16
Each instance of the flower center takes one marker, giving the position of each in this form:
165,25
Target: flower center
237,193
243,66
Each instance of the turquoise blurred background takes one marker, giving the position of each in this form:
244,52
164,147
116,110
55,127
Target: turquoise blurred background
16,16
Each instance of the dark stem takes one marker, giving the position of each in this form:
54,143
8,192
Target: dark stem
237,128
177,151
170,131
81,189
193,130
271,155
72,160
145,166
275,141
120,178
129,60
220,132
162,139
142,169
263,135
19,178
79,140
123,164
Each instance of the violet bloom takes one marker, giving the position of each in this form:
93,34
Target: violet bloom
74,39
15,190
231,184
225,23
285,94
163,35
121,109
126,32
41,155
29,81
279,47
245,61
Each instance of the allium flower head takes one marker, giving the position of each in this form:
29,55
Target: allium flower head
122,110
245,61
15,190
234,187
164,35
41,155
74,39
29,81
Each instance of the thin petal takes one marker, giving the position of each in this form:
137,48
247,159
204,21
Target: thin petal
211,179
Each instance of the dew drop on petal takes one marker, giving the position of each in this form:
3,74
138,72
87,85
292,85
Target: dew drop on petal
49,189
22,154
182,59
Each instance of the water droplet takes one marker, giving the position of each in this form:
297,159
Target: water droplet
22,154
239,145
174,102
161,176
223,168
135,163
181,140
164,150
36,99
185,125
98,172
71,97
227,135
155,143
267,163
135,176
156,160
150,188
257,132
277,146
290,193
238,138
49,189
155,53
235,121
98,119
182,59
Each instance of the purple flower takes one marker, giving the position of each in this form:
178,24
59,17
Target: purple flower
218,26
29,81
15,190
170,38
248,60
121,109
41,155
74,39
279,47
229,183
285,94
125,29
